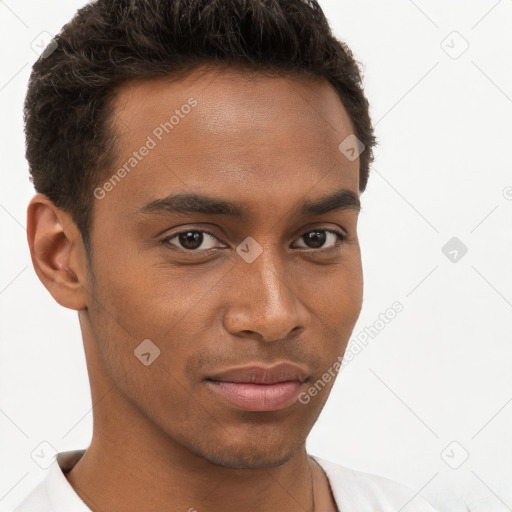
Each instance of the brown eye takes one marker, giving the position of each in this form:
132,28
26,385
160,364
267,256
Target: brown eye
192,240
317,238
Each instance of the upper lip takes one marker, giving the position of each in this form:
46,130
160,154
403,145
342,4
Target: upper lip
258,374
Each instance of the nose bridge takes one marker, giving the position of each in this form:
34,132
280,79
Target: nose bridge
268,275
265,302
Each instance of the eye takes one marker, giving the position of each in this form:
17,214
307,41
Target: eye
192,239
198,240
317,238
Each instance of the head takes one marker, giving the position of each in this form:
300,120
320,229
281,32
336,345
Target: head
195,190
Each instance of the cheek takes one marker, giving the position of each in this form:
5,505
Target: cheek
124,316
350,283
338,305
147,297
136,301
337,292
351,298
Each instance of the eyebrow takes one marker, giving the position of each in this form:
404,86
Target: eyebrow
180,202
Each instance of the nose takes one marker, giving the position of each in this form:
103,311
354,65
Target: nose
264,303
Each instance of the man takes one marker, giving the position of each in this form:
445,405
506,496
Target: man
198,167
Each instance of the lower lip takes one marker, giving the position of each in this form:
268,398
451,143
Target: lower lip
258,397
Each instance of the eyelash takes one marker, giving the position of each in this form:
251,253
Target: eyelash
341,238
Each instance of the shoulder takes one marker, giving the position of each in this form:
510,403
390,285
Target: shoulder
366,492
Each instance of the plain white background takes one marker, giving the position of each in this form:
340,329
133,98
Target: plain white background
428,401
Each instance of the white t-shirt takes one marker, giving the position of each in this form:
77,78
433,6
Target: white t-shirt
353,491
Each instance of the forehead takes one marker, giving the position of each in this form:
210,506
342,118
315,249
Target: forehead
222,130
228,94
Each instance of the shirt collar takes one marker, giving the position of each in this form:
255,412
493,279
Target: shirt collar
61,494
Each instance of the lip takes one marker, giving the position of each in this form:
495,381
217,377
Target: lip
257,374
260,388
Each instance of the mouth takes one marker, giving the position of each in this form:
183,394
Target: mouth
258,388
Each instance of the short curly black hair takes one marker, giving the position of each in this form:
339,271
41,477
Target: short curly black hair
70,140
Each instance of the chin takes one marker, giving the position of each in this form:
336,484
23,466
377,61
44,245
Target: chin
248,455
249,459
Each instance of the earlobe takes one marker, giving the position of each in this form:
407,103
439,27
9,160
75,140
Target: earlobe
57,252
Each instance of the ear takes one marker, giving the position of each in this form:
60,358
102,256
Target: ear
57,252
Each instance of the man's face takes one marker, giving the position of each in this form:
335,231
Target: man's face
292,292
